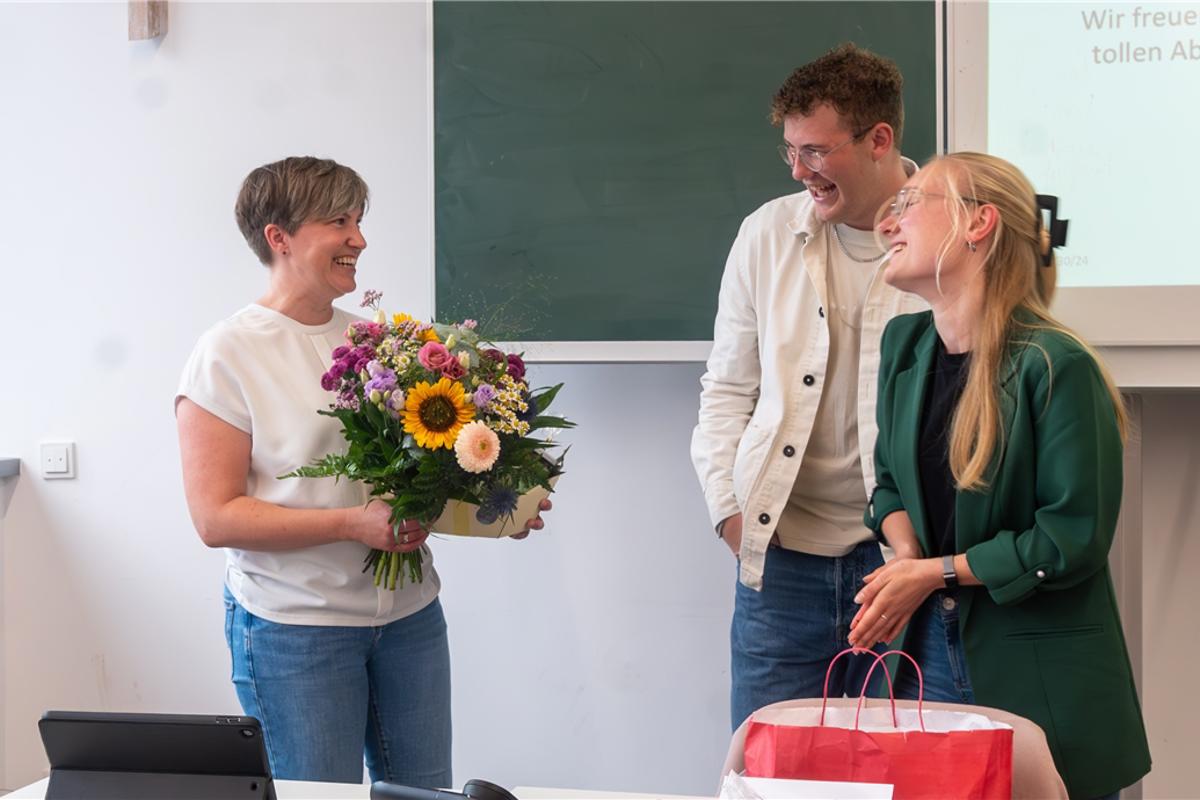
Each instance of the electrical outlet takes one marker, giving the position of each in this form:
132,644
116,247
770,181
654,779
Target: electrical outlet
58,460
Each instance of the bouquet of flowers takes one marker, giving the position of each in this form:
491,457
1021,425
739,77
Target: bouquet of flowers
438,422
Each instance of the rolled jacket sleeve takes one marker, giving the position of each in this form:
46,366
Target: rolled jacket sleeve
1078,485
884,500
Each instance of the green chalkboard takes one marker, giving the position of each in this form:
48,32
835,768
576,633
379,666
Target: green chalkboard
593,160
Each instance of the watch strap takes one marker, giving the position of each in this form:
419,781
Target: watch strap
948,573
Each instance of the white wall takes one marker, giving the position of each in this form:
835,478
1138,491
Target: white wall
1171,591
593,654
572,651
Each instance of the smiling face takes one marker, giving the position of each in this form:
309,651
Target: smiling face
322,255
847,189
921,229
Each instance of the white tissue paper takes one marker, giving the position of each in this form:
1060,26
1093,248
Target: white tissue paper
739,787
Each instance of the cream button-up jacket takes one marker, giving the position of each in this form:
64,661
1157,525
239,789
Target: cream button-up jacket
760,392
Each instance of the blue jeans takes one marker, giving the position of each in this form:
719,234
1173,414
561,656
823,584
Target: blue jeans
933,640
783,637
325,695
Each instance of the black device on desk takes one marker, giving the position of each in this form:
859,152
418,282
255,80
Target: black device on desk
474,790
111,756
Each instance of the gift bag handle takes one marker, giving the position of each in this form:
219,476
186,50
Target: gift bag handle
879,659
858,651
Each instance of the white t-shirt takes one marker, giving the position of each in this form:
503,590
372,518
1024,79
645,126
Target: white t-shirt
260,372
823,515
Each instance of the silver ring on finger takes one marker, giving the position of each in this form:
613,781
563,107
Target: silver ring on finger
883,617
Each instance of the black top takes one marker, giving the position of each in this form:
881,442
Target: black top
947,376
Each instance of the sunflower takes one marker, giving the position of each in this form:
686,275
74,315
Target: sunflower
424,332
435,413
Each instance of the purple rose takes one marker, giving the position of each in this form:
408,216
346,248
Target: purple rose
382,379
484,395
516,367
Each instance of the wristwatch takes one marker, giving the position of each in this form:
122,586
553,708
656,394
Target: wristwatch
948,573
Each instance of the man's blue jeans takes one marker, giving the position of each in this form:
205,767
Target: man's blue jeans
783,638
327,694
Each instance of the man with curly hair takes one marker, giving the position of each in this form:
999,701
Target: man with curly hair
786,435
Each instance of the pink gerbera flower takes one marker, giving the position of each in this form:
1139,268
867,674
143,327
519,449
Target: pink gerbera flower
477,447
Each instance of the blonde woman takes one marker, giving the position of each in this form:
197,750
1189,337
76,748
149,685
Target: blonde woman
998,466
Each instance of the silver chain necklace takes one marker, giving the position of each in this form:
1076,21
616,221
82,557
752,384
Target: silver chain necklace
849,255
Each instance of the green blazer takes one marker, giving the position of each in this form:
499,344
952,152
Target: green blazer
1042,635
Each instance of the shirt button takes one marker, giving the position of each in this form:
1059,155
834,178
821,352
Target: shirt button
1041,573
789,451
765,519
949,603
809,380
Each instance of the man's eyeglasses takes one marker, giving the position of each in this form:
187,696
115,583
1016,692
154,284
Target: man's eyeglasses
910,196
812,158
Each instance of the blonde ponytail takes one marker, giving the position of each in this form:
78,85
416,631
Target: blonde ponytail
1014,281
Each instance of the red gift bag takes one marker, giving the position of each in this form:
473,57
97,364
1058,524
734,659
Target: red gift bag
923,754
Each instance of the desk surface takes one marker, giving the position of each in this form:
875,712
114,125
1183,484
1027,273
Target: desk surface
286,790
547,793
307,790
